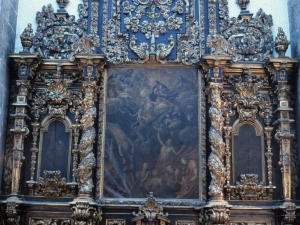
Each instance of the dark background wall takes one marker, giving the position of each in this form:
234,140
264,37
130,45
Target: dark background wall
8,21
294,18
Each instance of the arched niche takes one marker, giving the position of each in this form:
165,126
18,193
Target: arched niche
55,146
248,156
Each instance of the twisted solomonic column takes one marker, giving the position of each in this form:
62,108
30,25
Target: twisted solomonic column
215,160
87,157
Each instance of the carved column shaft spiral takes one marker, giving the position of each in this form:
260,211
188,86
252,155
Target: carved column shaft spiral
215,160
87,157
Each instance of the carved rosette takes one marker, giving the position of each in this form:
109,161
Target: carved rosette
215,159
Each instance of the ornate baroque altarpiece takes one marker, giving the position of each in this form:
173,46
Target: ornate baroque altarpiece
151,112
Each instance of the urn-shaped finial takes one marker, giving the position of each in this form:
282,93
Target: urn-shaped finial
62,3
281,43
243,4
27,38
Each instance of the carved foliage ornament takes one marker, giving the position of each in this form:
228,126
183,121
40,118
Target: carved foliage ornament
151,211
52,185
86,214
57,97
56,34
218,214
249,99
248,188
150,19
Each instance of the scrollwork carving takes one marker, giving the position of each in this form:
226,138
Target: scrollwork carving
249,38
151,19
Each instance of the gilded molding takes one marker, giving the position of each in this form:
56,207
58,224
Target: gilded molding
101,132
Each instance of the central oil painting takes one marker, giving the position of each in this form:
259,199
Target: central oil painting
152,133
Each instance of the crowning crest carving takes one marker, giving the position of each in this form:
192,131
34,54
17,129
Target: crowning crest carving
151,19
248,38
57,32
